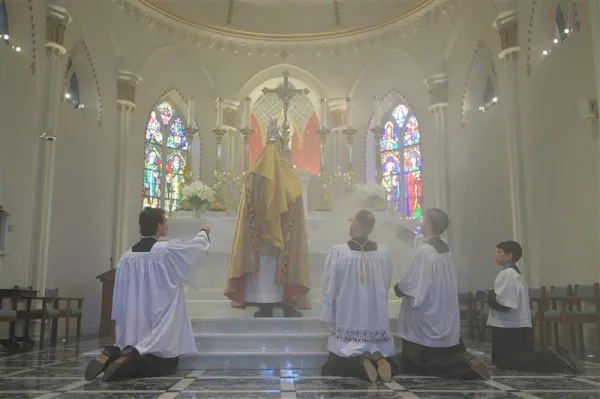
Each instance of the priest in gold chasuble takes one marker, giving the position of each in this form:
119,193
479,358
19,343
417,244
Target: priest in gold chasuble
268,263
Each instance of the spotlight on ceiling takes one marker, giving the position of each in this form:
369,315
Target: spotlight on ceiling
495,99
545,52
18,49
5,37
81,106
567,31
67,95
555,41
482,108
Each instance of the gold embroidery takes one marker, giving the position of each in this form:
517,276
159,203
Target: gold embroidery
252,225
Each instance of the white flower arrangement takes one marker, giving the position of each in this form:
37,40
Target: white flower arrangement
369,191
198,195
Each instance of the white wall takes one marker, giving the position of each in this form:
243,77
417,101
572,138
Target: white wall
561,165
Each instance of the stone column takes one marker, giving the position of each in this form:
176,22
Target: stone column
595,25
437,85
127,83
57,21
507,26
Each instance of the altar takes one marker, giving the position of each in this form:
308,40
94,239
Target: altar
324,229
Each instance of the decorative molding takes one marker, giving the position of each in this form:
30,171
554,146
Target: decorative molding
80,48
33,39
507,25
480,48
127,83
437,87
285,48
57,21
530,36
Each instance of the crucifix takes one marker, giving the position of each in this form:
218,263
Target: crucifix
286,93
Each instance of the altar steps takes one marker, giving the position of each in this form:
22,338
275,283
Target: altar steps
258,343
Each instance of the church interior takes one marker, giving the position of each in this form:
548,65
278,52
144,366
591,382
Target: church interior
487,109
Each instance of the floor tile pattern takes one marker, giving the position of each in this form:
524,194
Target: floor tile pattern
58,373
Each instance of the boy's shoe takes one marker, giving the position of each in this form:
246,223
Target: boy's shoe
367,362
99,364
571,362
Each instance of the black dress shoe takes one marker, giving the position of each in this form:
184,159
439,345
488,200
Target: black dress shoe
99,364
121,367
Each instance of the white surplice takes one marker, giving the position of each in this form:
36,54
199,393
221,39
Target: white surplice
148,301
429,314
261,286
357,311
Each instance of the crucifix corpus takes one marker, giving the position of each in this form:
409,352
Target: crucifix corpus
286,93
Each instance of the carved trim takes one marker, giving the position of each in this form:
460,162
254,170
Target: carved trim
437,87
282,48
126,90
57,21
33,39
81,48
479,48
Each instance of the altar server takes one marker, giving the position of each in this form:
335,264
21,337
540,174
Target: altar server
429,320
152,324
356,282
510,319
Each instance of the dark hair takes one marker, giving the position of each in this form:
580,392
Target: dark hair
513,248
365,221
438,220
149,220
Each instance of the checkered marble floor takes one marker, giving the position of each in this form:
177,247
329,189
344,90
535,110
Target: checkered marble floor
57,373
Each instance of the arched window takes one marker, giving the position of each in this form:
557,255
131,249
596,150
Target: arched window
164,165
4,29
304,124
72,94
561,31
401,161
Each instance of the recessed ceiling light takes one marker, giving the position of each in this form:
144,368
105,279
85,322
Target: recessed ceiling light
555,41
495,99
67,95
6,37
18,49
567,30
545,52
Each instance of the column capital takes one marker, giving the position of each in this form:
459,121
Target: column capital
437,86
127,83
57,21
507,25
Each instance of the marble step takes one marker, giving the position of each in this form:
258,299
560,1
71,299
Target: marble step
261,342
222,308
264,326
253,361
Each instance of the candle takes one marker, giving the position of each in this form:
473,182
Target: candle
324,113
246,122
219,112
349,112
376,111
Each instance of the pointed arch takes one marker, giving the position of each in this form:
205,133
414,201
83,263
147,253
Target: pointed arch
81,86
166,151
550,23
401,157
4,26
481,79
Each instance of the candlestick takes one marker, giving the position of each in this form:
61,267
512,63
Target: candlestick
247,109
190,111
349,121
323,113
376,111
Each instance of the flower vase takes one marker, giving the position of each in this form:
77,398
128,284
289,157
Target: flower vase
198,212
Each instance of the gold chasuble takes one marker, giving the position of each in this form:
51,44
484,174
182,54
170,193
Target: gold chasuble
271,213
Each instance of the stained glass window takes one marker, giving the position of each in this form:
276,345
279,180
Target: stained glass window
72,90
401,161
164,122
